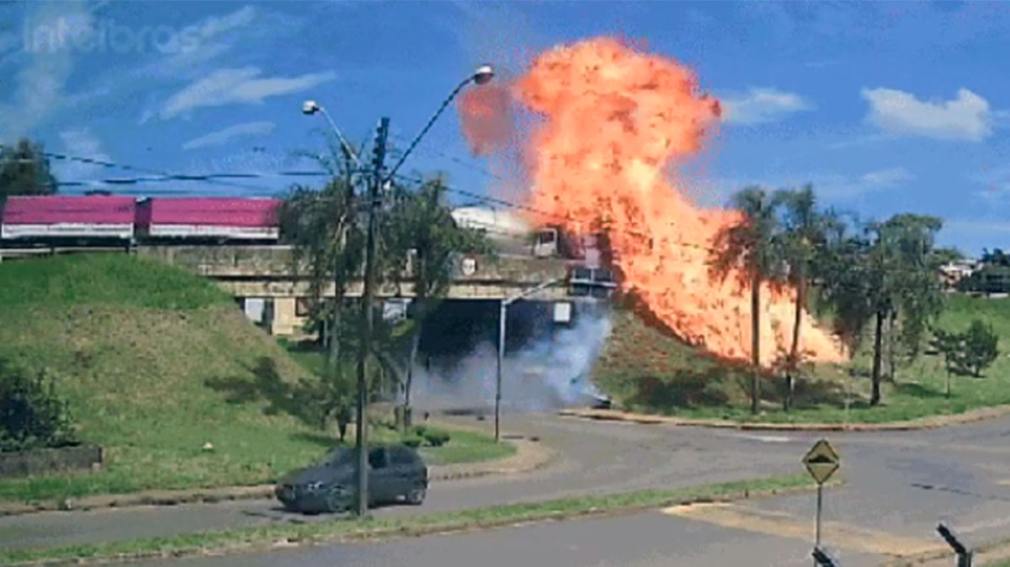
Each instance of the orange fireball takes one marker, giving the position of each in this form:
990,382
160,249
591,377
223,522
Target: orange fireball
615,122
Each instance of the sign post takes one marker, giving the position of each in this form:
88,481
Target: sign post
821,462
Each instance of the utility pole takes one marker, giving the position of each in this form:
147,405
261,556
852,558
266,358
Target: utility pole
361,436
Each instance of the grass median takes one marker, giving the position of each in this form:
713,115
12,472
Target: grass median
258,538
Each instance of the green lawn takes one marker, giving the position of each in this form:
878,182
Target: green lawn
647,370
155,364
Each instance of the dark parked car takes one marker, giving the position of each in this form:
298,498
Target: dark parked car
394,472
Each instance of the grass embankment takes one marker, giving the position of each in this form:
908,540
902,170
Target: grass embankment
648,370
348,529
156,363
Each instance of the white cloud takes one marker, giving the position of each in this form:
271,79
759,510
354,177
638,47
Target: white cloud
46,62
225,135
760,105
980,227
237,86
828,186
886,177
966,117
203,41
80,143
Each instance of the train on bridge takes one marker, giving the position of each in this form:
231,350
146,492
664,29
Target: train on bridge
107,220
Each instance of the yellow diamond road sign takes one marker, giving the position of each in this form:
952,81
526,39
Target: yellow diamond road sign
821,461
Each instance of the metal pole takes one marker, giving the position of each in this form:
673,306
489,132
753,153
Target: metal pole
502,314
431,122
340,137
502,317
361,435
817,535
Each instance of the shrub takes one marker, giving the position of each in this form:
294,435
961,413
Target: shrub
982,346
970,352
412,442
435,438
32,414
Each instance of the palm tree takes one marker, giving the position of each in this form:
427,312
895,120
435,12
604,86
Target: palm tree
421,238
751,250
803,232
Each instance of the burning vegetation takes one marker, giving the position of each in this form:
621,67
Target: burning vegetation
614,123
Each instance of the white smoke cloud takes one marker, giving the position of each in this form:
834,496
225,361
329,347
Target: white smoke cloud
551,373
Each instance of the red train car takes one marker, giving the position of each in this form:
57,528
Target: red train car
209,218
68,218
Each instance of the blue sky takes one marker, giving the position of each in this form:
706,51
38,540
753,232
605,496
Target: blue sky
884,107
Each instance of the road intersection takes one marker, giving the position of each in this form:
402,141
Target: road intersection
897,486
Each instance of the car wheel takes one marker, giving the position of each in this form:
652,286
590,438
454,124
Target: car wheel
416,496
335,502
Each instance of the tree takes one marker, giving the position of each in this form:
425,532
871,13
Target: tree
751,249
423,239
843,267
802,234
328,244
981,347
901,273
24,170
995,258
951,346
948,254
969,352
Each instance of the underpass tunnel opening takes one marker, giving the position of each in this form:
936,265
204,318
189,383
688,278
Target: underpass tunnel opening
549,350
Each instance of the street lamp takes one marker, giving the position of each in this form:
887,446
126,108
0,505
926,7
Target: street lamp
378,181
502,315
310,107
481,76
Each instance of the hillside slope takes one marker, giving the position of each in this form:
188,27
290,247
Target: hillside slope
645,368
155,364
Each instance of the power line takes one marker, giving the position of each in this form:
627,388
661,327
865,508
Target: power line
222,179
214,179
460,161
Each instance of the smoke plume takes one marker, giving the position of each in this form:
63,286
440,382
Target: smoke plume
550,373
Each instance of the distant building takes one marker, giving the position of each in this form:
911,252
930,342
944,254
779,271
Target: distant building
952,273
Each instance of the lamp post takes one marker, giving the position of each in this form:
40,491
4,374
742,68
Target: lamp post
378,181
502,316
310,107
481,76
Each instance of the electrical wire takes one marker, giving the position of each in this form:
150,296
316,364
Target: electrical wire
221,179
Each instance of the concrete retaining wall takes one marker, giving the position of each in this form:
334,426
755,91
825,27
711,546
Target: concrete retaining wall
43,461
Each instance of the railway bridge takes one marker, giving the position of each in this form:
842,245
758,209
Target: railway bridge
274,292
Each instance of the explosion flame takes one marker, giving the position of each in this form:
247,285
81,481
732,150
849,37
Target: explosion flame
615,122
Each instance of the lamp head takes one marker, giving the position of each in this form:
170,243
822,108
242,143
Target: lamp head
483,75
310,107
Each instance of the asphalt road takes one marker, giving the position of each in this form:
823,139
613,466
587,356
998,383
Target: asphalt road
898,485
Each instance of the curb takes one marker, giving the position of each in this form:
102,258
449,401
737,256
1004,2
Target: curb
529,456
931,422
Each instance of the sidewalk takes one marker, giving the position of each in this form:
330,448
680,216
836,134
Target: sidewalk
529,456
